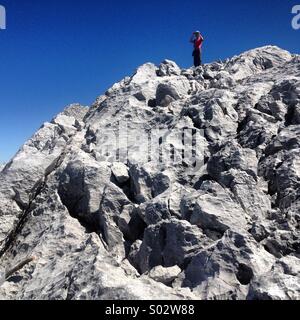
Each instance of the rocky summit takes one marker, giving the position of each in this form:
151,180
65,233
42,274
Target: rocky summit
87,213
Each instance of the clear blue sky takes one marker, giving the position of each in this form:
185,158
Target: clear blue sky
56,52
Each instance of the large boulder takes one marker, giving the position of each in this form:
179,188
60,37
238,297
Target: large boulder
170,243
225,270
168,68
216,211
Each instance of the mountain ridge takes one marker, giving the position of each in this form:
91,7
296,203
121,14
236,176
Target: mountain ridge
228,230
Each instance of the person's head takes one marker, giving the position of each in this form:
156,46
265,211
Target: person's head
197,34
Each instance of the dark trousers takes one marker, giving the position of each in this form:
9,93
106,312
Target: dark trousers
197,57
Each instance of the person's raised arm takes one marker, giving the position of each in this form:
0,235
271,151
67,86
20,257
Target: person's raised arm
192,38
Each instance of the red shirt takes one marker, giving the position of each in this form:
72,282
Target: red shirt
198,43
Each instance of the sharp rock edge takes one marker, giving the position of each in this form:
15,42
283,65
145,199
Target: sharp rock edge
125,231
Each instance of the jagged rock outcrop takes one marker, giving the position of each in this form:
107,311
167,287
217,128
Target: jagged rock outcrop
210,211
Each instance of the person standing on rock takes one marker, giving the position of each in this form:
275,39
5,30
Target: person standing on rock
197,41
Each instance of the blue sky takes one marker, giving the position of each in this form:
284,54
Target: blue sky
58,52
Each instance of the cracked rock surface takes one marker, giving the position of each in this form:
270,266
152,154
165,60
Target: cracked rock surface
100,228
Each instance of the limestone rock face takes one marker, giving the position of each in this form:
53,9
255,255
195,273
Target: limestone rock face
164,275
174,184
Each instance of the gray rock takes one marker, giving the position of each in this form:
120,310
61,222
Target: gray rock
164,275
165,94
168,68
26,172
215,216
170,90
120,171
170,243
233,156
225,270
144,73
282,283
251,196
215,212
